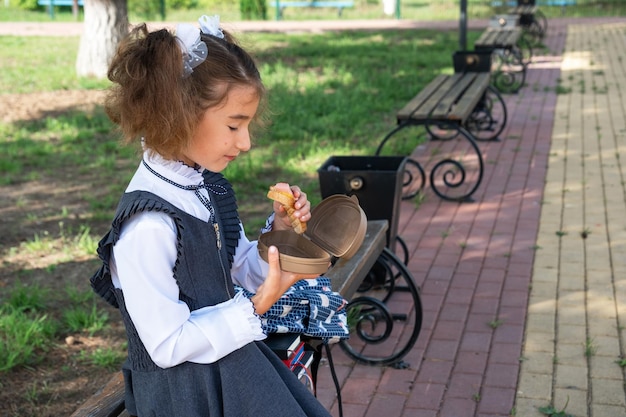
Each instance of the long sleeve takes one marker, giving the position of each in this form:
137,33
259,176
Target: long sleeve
248,269
143,263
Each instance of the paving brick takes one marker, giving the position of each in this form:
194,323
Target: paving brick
608,410
512,315
388,405
458,407
538,362
571,401
476,342
608,391
571,377
471,362
533,385
495,400
508,333
448,330
479,323
435,371
397,381
501,375
350,410
505,353
464,385
426,396
359,390
417,412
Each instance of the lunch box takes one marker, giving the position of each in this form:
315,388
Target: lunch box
337,228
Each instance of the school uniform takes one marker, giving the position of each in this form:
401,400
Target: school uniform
175,249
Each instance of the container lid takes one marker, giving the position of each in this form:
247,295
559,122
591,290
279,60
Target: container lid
338,225
297,253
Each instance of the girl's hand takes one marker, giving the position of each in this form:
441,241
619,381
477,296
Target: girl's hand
276,283
302,206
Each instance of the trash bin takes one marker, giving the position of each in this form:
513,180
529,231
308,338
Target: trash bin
375,180
472,61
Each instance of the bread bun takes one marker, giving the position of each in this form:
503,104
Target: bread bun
288,201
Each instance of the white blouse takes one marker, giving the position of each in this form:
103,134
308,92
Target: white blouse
142,264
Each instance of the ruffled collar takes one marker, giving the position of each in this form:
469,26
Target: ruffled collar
177,171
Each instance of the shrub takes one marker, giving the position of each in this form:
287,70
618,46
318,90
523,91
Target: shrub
253,9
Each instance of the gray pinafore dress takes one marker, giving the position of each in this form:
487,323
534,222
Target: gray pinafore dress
251,381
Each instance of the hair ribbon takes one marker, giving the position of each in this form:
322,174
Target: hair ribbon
194,50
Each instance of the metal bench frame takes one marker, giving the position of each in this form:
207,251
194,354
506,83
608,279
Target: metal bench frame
338,4
51,4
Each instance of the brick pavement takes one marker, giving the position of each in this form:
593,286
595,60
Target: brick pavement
484,266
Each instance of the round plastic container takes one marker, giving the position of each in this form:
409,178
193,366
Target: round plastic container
337,228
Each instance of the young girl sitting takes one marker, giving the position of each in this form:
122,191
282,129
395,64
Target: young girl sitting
176,246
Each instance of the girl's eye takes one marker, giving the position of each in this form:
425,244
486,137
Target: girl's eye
232,128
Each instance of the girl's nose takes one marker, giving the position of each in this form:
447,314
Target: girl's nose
243,142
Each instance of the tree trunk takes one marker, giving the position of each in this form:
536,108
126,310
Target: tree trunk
106,23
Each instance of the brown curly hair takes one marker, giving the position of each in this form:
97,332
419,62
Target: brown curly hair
151,99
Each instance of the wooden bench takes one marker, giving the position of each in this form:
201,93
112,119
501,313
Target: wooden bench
51,4
445,107
531,19
338,4
346,277
511,53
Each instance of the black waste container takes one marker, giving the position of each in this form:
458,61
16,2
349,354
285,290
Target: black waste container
375,180
472,61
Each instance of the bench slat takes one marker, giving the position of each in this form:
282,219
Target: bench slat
346,275
409,110
525,9
498,38
107,402
459,84
466,105
447,98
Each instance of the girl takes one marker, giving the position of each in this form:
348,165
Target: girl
176,246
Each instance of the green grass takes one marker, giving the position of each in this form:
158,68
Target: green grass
26,332
330,94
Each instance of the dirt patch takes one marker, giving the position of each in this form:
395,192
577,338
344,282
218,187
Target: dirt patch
65,377
24,107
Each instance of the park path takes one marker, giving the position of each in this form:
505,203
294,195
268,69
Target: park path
522,290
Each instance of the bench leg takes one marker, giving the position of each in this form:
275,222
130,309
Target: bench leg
376,314
413,184
489,117
457,177
450,179
535,26
509,74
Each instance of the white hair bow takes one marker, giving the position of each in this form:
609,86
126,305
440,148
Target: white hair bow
210,25
194,50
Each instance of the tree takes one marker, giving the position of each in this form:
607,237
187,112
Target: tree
105,24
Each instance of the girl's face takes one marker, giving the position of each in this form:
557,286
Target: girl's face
223,131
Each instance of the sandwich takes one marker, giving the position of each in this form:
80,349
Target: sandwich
285,197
